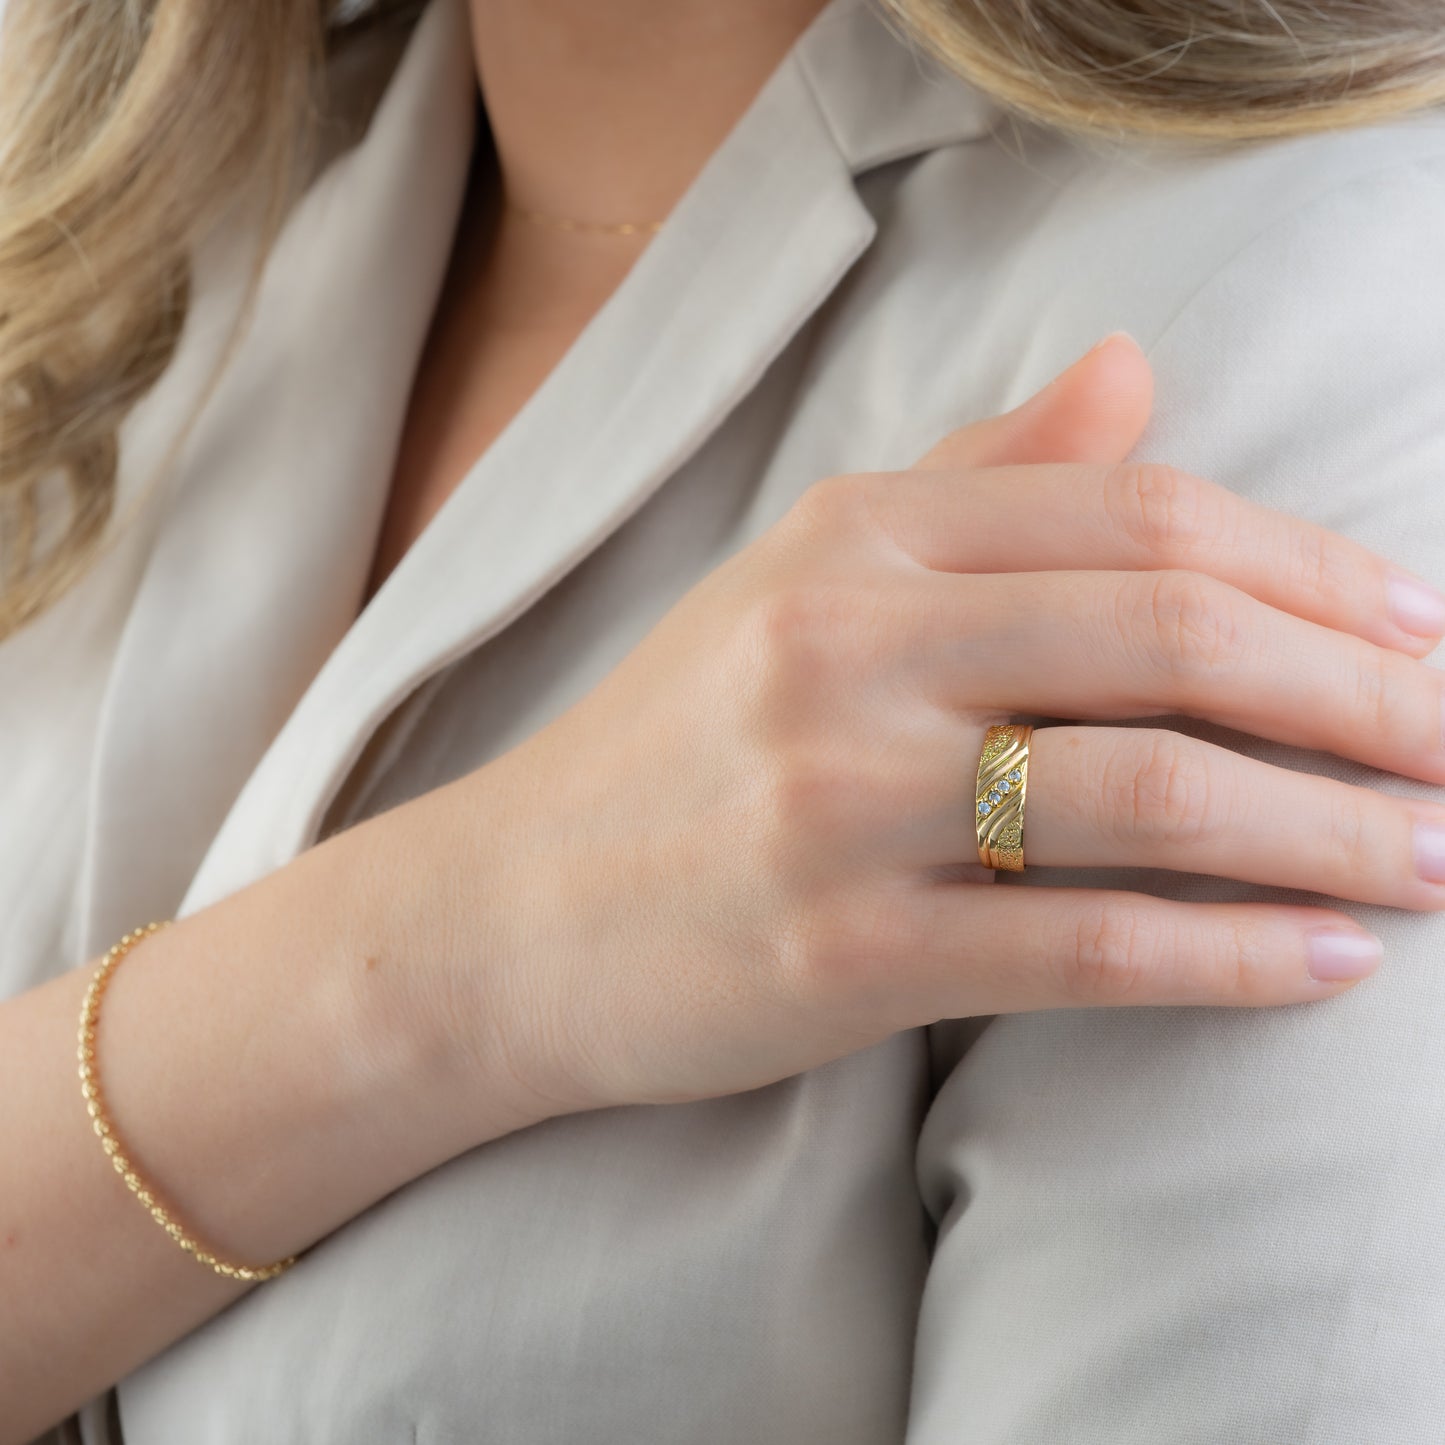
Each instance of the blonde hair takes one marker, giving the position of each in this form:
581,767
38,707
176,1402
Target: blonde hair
126,128
1198,70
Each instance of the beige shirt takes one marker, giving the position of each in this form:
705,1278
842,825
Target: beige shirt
1123,1226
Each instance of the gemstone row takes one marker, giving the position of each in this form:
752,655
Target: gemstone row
995,795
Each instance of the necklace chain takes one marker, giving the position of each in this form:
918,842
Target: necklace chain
566,223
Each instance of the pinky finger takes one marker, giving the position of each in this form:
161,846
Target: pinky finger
985,950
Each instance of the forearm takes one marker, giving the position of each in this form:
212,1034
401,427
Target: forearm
273,1065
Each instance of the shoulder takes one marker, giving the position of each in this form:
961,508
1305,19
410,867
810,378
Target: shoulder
1290,295
1009,257
1156,211
1298,340
1125,233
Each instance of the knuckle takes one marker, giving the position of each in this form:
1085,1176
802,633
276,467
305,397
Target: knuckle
1316,564
814,635
1114,950
1248,965
1378,699
1166,512
802,946
813,815
1162,791
809,800
1353,847
1190,623
840,949
797,627
787,617
838,504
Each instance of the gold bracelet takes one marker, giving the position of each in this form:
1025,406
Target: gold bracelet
90,1087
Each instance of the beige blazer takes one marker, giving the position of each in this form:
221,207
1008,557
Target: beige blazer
1137,1227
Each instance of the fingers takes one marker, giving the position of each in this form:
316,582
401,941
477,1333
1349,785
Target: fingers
1153,798
1139,644
1145,516
1094,411
970,950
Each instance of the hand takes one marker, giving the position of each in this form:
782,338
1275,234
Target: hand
751,848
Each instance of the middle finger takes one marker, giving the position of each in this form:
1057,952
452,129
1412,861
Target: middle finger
1105,645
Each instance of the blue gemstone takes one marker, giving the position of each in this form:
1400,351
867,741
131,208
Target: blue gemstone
1015,776
984,809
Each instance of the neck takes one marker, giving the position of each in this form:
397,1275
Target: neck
605,110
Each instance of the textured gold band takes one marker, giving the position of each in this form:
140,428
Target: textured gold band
1003,780
90,1087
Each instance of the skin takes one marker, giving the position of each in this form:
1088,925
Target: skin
601,113
702,877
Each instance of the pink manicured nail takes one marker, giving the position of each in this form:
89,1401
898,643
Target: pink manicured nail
1416,607
1430,851
1335,953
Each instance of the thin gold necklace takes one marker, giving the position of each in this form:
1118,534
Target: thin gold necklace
566,223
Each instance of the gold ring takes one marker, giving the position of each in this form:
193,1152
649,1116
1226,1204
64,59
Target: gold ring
1003,780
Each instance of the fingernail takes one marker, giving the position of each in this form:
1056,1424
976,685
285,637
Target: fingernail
1105,340
1337,953
1430,851
1416,607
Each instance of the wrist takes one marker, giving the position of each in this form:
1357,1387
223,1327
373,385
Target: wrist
432,983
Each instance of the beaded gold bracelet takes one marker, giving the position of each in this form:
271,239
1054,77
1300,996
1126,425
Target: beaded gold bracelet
94,1103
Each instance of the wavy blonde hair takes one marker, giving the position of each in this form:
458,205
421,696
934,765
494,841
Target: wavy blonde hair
128,127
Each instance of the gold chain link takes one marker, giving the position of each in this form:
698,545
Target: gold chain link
566,223
90,1087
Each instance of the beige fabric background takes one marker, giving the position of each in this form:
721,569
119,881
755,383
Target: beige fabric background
1111,1227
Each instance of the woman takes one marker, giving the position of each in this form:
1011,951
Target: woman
543,667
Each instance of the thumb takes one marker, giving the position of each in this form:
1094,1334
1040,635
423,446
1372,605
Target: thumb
1093,411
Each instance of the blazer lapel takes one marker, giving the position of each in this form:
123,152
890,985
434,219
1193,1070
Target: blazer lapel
272,508
767,230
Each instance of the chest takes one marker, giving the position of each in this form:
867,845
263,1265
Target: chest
462,400
514,302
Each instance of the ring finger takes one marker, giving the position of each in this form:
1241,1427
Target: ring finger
1154,798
